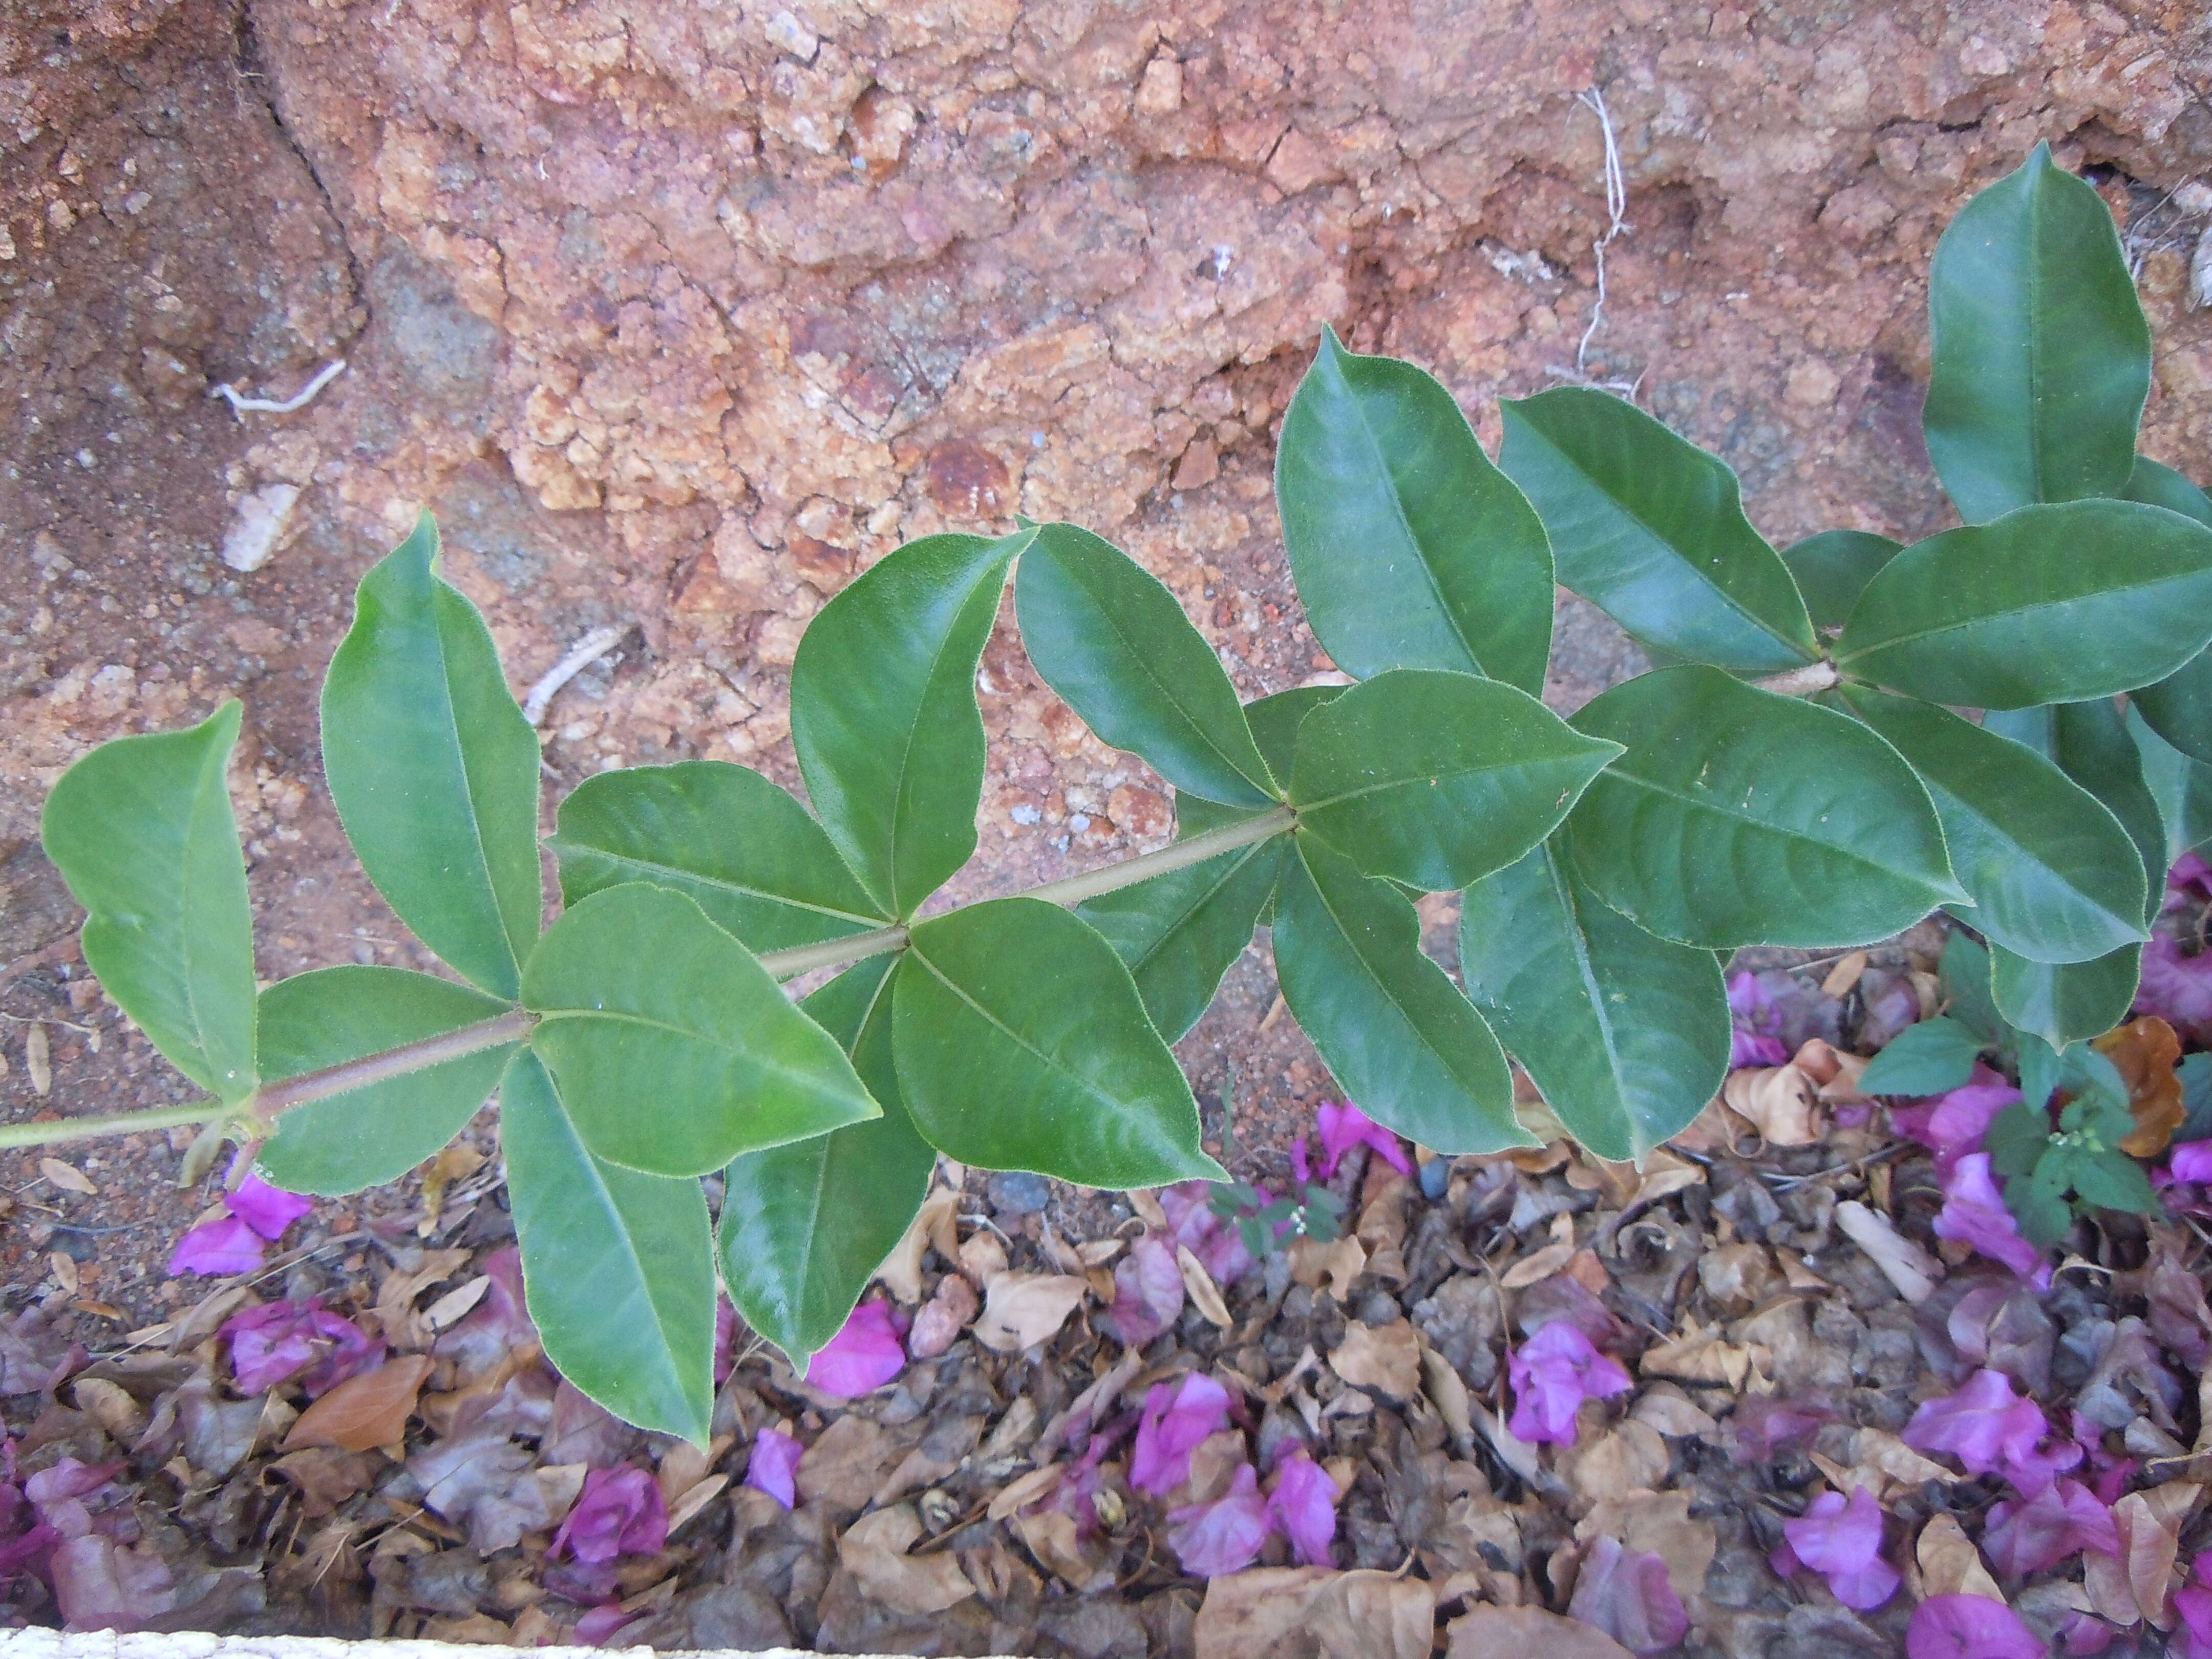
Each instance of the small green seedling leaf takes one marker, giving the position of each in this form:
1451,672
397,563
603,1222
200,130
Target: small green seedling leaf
142,830
2114,1180
1931,1058
2038,1202
1833,569
2017,1137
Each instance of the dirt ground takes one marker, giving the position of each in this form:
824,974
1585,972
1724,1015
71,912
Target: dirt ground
678,314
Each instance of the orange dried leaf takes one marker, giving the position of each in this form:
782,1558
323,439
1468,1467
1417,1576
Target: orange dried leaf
364,1412
2147,1053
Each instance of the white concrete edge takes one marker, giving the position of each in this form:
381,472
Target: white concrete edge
198,1644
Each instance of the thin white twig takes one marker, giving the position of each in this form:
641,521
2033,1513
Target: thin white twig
1617,225
239,403
586,651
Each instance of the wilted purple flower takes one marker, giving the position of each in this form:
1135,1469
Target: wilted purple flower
1213,1539
268,1210
1215,1241
862,1357
619,1512
1302,1504
2192,1161
278,1340
1955,1124
1757,1022
26,1543
1763,1425
1176,1417
1986,1426
225,1245
773,1466
1343,1128
1551,1374
598,1627
497,1326
1148,1293
1974,1214
2193,1602
1841,1538
2177,972
2059,1521
1627,1595
1968,1627
66,1496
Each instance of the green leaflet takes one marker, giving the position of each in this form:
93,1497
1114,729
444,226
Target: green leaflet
370,1135
1021,1044
1963,972
2063,1002
1181,932
1437,779
1410,549
142,830
617,1267
2160,485
2052,874
1739,817
2042,357
745,851
1929,1058
1626,1035
673,1048
1650,529
1833,569
1275,721
1117,648
2181,786
805,1225
2179,708
434,768
2089,743
1400,1037
2046,604
884,713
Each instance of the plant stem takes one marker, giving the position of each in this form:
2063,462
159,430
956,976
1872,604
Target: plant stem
510,1027
1802,682
120,1123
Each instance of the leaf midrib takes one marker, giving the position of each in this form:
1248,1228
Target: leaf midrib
1963,624
1435,779
1732,816
720,883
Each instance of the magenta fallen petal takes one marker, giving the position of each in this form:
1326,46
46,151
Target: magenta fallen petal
1148,1293
224,1246
2057,1523
773,1466
1986,1426
2192,1161
1841,1539
619,1512
1627,1595
1968,1627
862,1358
1343,1128
598,1627
277,1341
497,1326
2176,985
1955,1124
1213,1539
1974,1214
1302,1503
1551,1374
268,1210
1176,1417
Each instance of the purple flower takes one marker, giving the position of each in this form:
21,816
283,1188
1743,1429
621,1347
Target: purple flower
278,1340
1968,1627
862,1358
225,1245
2036,1533
2192,1161
1955,1124
1974,1214
619,1512
1552,1373
27,1542
1213,1539
2177,975
497,1326
1343,1128
1842,1539
268,1210
2193,1604
1986,1426
773,1468
599,1626
1176,1417
1627,1595
1303,1505
1216,1243
1148,1293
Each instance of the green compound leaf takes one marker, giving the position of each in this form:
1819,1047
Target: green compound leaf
1650,529
2181,786
1275,721
1393,1029
804,1226
1626,1035
2047,604
1021,1044
618,1267
1117,648
1931,1058
673,1047
2062,1003
884,713
1740,817
376,1134
2052,874
142,830
1180,933
434,768
2179,708
2089,743
1410,549
1437,779
751,857
1833,569
2042,357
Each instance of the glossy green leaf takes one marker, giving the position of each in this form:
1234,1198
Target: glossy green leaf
804,1226
370,1135
1437,779
434,768
884,713
1650,529
1117,648
1833,567
2062,1003
1402,1040
2052,874
1410,549
1930,1058
1021,1044
2089,742
1626,1035
1181,932
751,857
1963,972
2042,357
1275,721
618,1267
2179,708
140,829
1740,817
2181,786
673,1047
2047,604
2160,485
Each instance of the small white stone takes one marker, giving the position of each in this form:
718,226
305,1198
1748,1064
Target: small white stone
262,518
786,34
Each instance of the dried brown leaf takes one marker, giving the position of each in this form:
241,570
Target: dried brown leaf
1781,1102
1844,975
403,1328
982,1258
1020,1493
1205,1294
1488,1632
2146,1051
1657,1523
901,1269
1447,1393
1699,1356
67,1177
1372,1616
1950,1563
1249,1615
1904,1263
846,1463
2149,1525
448,1308
1671,1412
1053,1538
1384,1357
38,1058
1628,1458
1537,1266
1022,1310
364,1412
874,1551
112,1406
